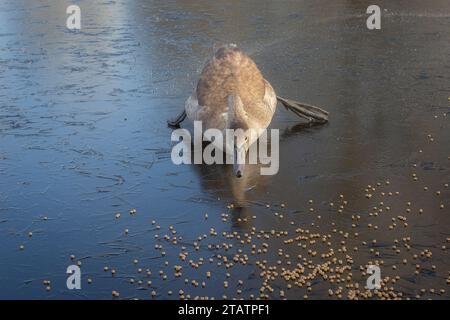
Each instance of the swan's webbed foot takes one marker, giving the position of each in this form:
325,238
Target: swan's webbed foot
175,123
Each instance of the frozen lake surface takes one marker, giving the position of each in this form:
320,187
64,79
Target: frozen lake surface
83,137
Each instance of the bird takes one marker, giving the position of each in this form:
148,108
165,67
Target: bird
232,93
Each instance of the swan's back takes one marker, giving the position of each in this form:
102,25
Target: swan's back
230,72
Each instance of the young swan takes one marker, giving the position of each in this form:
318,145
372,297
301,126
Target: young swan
232,94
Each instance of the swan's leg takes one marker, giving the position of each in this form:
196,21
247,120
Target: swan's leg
303,110
179,119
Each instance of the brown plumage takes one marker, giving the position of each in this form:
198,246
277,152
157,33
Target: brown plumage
230,73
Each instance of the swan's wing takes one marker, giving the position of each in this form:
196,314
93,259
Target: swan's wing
192,108
270,97
261,112
210,117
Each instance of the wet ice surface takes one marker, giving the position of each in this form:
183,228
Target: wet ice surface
83,136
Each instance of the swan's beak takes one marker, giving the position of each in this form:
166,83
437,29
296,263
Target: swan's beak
239,161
